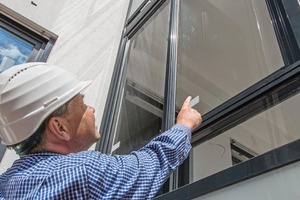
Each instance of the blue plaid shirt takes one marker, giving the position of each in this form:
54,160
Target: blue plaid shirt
92,175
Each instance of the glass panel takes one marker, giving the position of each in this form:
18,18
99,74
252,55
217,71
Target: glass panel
13,50
292,8
140,117
134,6
266,131
224,47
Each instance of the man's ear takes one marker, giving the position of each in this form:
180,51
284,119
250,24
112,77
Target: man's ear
57,125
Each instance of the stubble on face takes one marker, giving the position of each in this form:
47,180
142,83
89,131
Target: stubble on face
81,120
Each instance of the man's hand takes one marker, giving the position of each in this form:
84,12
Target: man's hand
189,116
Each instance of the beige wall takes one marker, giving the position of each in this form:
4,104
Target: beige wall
88,33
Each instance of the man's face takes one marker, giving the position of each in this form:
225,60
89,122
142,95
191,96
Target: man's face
81,124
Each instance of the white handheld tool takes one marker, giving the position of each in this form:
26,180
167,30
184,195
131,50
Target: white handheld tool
194,101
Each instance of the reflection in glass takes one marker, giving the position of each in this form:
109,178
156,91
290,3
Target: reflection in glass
274,127
140,116
224,47
13,50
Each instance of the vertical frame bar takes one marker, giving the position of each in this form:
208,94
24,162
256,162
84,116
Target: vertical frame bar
170,83
283,30
111,105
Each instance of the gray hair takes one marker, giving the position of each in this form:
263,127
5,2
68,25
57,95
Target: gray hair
36,139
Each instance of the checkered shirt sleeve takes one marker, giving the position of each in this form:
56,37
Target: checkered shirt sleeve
92,175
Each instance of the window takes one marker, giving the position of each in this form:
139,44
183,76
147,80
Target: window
223,49
242,59
250,141
19,44
226,50
273,127
13,50
140,117
222,52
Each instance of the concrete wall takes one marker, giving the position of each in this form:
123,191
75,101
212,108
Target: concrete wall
88,33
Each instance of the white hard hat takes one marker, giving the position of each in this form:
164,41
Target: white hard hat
28,94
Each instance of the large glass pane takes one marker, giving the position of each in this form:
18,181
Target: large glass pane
140,116
292,8
266,131
13,50
224,47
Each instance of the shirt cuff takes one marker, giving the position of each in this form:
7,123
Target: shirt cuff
185,129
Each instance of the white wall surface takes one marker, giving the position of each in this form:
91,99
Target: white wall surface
88,33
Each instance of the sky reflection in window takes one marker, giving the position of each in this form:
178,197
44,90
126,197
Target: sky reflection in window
13,50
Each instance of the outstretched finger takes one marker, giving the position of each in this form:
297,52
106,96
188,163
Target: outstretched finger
186,103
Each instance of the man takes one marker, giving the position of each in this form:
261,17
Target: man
45,120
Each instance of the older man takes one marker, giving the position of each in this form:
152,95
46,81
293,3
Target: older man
45,120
